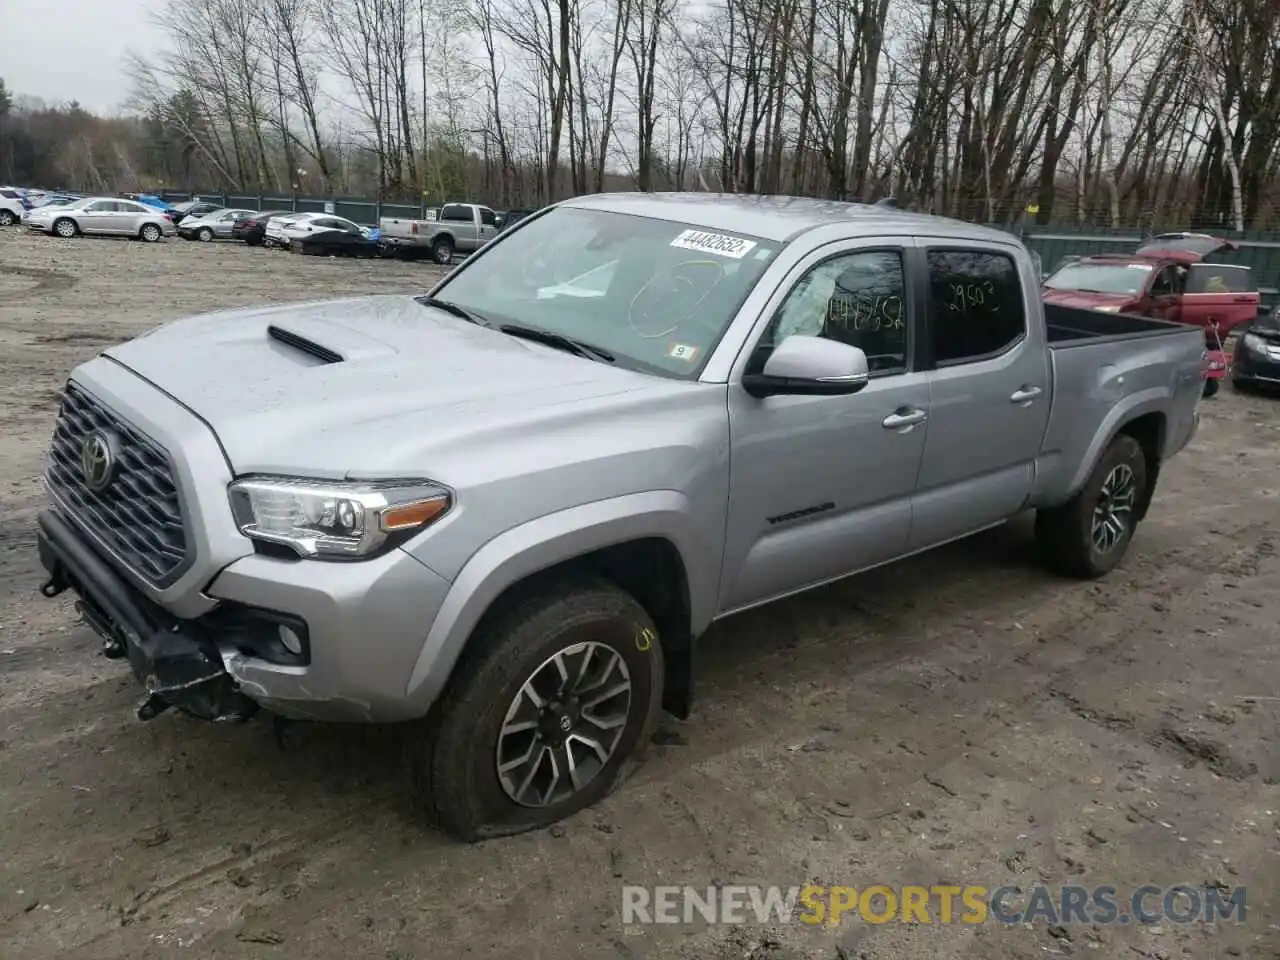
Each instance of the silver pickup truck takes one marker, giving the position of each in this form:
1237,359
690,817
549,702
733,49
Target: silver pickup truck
504,512
456,228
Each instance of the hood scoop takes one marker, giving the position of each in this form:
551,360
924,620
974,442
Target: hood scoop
327,339
306,345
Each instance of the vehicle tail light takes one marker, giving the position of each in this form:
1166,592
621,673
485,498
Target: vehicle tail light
413,228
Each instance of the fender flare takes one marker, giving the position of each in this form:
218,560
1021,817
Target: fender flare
541,544
1154,400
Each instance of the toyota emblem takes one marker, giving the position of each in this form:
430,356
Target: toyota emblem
98,460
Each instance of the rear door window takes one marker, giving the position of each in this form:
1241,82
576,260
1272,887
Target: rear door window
1220,278
456,213
976,307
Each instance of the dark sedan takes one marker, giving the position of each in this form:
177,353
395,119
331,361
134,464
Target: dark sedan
1256,360
253,228
335,243
194,208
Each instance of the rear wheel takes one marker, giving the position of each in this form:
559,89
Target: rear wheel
442,250
65,227
205,235
1089,535
1210,388
149,233
558,694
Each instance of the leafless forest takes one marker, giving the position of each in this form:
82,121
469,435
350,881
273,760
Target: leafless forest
1106,112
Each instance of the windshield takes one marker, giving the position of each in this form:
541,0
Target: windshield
656,294
1120,278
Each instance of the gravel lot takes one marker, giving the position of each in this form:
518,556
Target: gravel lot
961,717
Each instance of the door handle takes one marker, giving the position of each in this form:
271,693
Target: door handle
904,418
1025,395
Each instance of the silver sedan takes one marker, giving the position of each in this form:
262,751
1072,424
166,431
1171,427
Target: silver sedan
211,226
107,216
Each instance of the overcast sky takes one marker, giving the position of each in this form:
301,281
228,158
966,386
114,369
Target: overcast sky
60,50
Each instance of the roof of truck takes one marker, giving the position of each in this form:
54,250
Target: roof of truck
779,218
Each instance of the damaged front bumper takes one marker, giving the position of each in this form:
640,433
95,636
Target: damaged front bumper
177,661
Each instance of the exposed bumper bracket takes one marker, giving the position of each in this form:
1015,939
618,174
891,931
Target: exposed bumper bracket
178,667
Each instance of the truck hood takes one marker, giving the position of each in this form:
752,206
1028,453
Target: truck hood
362,387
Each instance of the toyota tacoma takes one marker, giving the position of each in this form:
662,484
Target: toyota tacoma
502,513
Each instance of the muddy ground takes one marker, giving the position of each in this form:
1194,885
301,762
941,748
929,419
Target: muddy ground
961,717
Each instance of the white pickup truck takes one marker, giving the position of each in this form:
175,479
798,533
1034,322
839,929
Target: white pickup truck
456,228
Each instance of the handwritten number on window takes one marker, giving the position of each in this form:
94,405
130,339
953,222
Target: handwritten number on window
865,313
963,297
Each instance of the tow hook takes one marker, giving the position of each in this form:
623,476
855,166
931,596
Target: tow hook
152,707
53,586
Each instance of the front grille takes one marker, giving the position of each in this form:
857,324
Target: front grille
139,513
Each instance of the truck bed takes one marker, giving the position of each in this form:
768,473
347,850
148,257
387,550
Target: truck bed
1076,326
1106,367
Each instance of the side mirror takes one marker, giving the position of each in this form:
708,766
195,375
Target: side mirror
810,366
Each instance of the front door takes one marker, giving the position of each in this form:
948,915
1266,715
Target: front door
989,390
821,486
98,217
1162,299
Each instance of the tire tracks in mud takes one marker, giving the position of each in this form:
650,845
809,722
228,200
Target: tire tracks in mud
46,281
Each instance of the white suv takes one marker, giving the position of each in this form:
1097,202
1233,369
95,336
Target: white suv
11,207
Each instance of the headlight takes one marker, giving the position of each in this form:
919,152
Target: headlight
335,520
1251,341
1107,308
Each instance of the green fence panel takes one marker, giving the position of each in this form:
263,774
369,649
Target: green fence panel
363,212
403,210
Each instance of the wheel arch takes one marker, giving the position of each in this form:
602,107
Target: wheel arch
636,542
1145,419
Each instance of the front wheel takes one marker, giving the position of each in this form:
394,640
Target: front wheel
555,698
1089,535
1210,388
7,218
65,228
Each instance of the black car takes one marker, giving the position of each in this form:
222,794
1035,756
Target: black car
509,218
336,242
193,208
1256,360
253,228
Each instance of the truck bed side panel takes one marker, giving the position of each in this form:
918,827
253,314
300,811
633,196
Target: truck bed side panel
1101,385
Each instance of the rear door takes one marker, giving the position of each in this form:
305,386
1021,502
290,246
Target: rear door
989,389
488,224
1218,292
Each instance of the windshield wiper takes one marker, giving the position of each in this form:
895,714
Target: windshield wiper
448,306
557,340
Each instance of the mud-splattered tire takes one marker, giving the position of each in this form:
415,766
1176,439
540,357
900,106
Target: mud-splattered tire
1088,536
590,631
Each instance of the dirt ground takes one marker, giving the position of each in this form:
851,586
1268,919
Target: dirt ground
962,717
